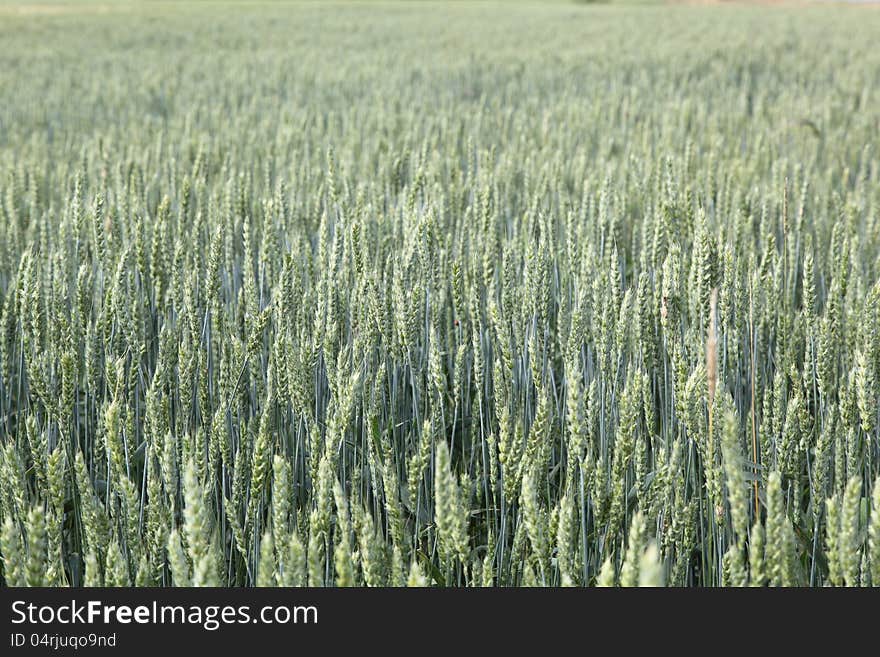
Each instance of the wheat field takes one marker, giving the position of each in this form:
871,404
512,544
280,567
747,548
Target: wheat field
439,294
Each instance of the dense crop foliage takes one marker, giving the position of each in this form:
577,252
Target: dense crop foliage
456,295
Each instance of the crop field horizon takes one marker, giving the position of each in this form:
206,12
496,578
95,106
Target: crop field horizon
439,294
